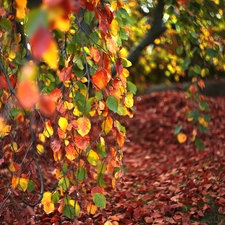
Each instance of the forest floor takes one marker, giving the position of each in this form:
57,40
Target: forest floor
166,182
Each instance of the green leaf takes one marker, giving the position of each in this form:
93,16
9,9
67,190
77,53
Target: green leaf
68,211
30,186
178,129
112,103
99,200
55,197
132,87
101,181
199,144
5,24
64,168
204,106
14,112
81,174
64,182
36,18
88,17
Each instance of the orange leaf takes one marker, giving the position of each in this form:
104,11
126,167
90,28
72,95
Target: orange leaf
107,125
91,208
65,74
71,153
47,105
100,79
95,54
27,94
120,138
181,137
20,8
82,142
84,126
15,181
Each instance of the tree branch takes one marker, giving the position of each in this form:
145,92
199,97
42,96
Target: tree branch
156,30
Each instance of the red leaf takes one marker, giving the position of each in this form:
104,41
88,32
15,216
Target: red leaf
65,74
47,105
4,84
40,42
82,142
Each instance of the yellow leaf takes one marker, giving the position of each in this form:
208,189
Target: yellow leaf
5,131
20,8
114,27
48,131
76,111
181,137
107,125
14,146
129,101
92,157
91,208
47,197
84,126
41,137
50,56
23,183
63,123
40,149
108,223
48,207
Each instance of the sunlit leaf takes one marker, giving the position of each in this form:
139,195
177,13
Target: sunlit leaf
48,207
120,138
48,131
28,94
63,123
99,200
20,8
107,125
40,149
92,157
100,79
181,137
129,101
23,183
84,126
91,208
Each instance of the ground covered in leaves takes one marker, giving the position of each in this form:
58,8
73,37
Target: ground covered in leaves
166,182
